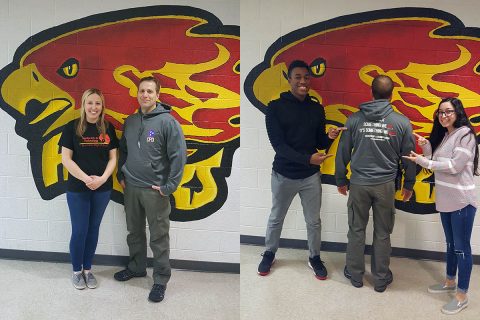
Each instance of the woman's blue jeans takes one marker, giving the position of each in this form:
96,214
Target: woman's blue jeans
458,226
86,213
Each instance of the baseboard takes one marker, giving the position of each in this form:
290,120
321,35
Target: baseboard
341,247
107,260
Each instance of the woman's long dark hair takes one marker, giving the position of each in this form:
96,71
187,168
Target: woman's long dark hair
438,132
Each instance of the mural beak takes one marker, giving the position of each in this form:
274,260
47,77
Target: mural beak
270,83
36,99
39,107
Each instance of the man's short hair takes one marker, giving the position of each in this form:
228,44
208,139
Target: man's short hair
382,87
153,79
297,64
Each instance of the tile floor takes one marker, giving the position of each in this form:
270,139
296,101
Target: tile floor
291,291
40,290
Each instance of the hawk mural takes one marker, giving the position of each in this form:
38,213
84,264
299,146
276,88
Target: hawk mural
428,53
197,60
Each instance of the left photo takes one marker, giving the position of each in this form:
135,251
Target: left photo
119,130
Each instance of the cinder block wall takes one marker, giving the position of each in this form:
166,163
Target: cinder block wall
263,23
27,222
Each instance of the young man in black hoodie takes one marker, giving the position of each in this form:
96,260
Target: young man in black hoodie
152,157
296,129
375,139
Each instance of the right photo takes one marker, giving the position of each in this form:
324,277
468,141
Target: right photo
359,160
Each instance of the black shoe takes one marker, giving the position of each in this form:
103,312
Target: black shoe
157,293
318,268
128,274
355,283
267,262
383,287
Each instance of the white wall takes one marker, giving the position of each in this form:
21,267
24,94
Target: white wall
263,22
29,223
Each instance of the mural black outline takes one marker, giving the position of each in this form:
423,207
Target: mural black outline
213,25
455,27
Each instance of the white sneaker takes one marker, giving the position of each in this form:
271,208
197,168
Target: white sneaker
454,306
90,280
441,288
78,281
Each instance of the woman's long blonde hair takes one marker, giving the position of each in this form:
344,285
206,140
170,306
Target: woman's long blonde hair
82,122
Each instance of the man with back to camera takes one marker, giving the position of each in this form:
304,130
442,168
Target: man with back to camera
374,142
296,128
152,157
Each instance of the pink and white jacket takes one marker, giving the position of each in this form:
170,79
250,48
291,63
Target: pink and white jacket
452,164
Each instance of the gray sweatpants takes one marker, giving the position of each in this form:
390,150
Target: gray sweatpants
283,192
381,199
141,203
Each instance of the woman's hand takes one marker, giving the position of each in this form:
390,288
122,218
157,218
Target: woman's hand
95,182
412,157
421,141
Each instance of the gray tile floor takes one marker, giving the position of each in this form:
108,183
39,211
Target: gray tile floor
39,290
290,291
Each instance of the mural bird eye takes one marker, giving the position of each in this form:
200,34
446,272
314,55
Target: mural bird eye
477,69
69,69
318,67
236,67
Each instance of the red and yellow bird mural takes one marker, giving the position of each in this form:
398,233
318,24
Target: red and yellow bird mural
197,60
428,53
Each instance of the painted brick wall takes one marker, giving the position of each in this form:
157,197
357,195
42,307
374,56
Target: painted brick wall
27,222
260,30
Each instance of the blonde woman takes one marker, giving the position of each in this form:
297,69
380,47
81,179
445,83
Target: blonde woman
89,153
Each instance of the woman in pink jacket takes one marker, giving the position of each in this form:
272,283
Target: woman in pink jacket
451,152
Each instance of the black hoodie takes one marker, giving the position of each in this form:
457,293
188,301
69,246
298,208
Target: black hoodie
296,130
